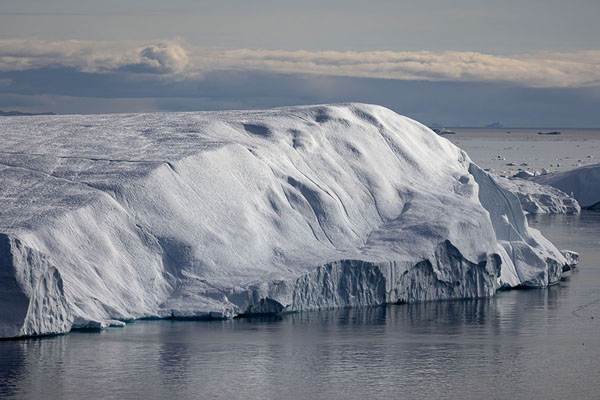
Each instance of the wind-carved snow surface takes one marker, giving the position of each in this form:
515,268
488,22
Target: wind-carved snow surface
212,215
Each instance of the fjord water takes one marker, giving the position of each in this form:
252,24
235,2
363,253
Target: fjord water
508,150
542,343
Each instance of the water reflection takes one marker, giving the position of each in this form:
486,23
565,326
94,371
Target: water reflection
12,367
173,361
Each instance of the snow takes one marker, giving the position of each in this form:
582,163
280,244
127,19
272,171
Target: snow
540,199
109,218
583,183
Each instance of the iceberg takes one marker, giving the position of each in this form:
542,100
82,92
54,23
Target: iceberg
572,259
537,198
583,183
109,218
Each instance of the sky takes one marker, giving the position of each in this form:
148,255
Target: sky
453,63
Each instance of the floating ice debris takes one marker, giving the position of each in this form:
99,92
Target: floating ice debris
523,174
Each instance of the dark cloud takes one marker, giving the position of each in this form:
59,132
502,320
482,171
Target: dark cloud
67,90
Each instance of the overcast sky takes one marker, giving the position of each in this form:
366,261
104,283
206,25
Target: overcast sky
522,63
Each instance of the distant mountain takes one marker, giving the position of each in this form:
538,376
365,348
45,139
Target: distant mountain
21,114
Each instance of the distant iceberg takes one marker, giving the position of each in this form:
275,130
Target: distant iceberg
549,133
109,218
443,131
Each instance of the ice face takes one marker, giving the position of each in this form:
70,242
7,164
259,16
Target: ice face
215,214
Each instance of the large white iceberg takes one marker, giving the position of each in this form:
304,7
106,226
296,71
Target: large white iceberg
215,214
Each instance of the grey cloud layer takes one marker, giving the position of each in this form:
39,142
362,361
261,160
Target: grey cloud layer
176,60
161,57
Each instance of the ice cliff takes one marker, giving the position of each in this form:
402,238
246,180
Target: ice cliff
109,218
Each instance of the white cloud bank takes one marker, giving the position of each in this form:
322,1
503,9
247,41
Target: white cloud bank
176,60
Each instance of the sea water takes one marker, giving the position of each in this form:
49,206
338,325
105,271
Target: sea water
506,151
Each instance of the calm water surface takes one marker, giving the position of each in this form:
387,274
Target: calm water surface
506,151
521,344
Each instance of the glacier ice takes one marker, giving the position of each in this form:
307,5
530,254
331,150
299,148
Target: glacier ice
109,218
572,259
539,198
583,183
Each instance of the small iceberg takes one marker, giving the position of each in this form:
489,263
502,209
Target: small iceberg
443,131
549,133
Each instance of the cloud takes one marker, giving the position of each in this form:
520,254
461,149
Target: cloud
161,59
173,59
165,57
447,103
535,70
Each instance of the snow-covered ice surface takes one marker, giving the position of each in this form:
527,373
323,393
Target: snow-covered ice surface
210,215
583,183
540,199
